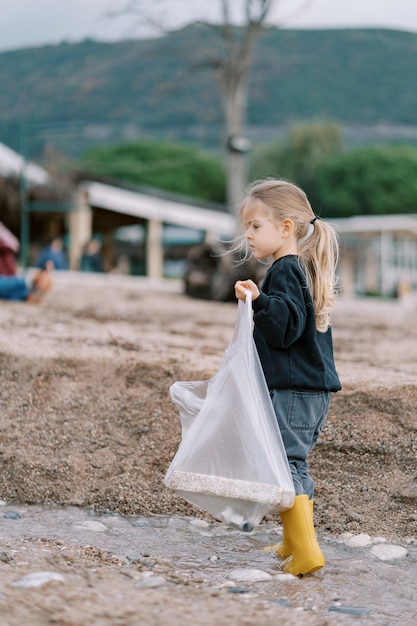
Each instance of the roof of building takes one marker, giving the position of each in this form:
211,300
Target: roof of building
12,164
373,224
140,205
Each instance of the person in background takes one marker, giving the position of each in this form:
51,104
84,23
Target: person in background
9,247
91,259
293,336
12,286
54,252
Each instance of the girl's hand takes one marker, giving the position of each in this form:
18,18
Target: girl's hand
242,286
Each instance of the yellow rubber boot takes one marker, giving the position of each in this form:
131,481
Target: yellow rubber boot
284,549
307,556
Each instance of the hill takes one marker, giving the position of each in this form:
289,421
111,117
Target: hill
355,77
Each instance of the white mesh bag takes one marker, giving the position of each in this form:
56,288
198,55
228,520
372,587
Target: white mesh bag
231,460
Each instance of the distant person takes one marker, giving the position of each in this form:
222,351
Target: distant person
9,247
91,259
53,252
14,287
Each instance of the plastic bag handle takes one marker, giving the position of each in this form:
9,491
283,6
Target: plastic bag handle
243,331
248,307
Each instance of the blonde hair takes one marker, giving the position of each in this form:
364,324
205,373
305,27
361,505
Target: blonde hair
316,240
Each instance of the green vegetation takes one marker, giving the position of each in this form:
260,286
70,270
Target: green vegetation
376,180
299,155
350,76
177,168
373,180
314,83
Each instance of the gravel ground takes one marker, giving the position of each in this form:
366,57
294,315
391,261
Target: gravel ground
86,419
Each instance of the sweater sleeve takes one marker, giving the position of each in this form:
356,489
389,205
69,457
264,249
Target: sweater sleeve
280,313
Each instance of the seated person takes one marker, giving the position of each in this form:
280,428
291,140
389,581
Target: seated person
91,260
53,252
17,288
9,247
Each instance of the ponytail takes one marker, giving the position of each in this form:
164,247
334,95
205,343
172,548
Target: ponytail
318,254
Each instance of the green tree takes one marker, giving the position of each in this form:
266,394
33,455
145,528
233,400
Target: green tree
238,26
374,180
175,167
299,155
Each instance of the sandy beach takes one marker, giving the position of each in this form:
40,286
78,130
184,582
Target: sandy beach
86,418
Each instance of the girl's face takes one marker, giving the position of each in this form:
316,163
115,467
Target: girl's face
263,235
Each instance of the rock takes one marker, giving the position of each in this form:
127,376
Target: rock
37,579
150,582
348,610
359,541
354,516
12,515
250,575
237,590
407,495
5,557
409,541
282,577
387,551
199,523
93,525
227,584
141,523
376,540
137,557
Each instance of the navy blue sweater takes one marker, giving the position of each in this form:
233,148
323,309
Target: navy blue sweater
293,354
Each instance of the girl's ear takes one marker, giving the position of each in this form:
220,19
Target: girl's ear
287,227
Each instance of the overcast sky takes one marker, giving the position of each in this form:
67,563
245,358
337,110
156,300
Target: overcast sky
26,23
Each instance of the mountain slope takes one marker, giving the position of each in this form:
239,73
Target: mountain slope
351,76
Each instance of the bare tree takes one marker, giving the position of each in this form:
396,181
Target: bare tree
233,70
238,25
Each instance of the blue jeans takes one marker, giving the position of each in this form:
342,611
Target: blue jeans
13,288
301,416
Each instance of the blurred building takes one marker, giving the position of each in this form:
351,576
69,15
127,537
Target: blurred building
141,233
150,232
25,183
378,254
146,232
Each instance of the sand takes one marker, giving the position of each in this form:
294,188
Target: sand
86,418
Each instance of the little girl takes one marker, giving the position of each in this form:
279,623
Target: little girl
293,337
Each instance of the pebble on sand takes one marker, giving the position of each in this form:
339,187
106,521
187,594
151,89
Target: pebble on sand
250,575
37,579
387,551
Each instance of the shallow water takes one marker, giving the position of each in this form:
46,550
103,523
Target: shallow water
354,587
